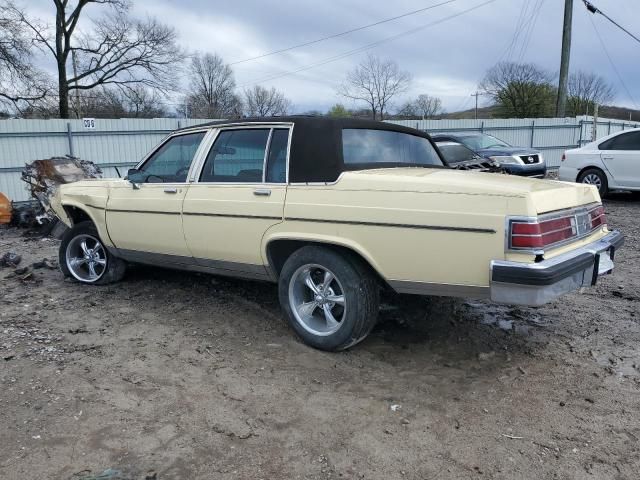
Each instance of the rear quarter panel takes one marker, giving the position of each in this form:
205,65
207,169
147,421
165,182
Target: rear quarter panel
443,238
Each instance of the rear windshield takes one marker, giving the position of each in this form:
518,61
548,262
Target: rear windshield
482,141
367,147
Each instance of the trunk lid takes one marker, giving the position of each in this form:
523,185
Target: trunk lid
543,195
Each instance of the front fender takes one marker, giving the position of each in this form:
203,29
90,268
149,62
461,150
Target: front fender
90,198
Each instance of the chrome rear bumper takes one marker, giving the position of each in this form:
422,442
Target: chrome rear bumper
535,284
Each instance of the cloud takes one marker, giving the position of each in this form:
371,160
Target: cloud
447,60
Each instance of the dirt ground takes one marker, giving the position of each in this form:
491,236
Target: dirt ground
183,376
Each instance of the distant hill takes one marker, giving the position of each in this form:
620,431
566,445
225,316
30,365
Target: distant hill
605,111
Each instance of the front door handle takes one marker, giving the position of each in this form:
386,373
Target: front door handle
264,192
170,190
607,158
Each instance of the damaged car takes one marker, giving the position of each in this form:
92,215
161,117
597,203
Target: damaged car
334,211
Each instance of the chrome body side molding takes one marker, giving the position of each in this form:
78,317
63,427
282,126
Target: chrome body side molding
215,267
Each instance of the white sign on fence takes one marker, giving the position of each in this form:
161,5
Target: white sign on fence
89,123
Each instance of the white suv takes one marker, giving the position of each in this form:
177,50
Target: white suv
610,163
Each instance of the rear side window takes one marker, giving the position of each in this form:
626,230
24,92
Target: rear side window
277,159
171,162
625,141
369,147
236,156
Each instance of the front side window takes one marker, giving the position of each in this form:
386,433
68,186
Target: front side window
236,156
366,147
625,141
454,152
171,162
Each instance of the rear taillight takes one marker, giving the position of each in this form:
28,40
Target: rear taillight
542,233
598,217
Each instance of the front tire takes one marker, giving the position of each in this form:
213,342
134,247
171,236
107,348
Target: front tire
83,257
331,300
596,177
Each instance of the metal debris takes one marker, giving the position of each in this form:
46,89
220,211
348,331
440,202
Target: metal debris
45,176
481,165
10,259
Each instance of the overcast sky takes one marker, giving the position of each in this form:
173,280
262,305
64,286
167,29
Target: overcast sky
447,59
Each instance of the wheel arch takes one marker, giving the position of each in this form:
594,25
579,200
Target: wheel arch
77,212
278,249
593,166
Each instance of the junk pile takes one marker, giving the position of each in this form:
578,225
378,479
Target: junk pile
43,178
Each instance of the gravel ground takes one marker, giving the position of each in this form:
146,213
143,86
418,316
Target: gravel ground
172,375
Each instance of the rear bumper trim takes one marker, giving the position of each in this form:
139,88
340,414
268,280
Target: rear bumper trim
539,283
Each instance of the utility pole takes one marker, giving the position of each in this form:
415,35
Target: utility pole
476,95
561,103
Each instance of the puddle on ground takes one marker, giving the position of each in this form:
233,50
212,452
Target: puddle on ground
507,318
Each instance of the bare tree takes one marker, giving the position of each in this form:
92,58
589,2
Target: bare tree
376,82
428,106
586,89
408,110
118,50
260,102
113,102
212,89
22,85
425,106
520,89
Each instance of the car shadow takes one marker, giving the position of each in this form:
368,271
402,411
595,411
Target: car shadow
465,328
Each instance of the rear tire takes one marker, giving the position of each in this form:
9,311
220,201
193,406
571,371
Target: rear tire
596,177
331,300
83,257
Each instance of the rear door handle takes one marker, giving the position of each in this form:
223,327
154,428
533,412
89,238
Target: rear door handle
264,192
170,190
607,158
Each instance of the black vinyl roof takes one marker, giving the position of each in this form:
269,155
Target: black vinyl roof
316,145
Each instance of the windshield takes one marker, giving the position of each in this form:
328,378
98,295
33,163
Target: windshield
454,152
364,147
479,142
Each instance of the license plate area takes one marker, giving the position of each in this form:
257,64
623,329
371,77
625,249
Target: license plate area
602,266
605,264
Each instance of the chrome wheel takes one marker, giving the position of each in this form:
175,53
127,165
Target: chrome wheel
317,299
86,258
593,179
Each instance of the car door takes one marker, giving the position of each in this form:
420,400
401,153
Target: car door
144,218
239,193
621,157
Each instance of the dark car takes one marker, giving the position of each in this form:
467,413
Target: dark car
522,161
461,157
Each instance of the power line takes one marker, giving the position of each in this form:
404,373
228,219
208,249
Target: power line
516,31
366,47
530,30
606,52
593,9
506,53
347,32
